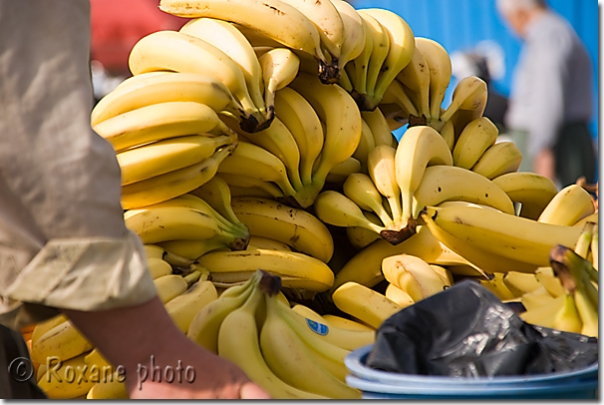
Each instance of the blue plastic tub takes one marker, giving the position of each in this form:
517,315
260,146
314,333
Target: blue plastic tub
580,384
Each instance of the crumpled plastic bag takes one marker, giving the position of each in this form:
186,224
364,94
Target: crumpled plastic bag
466,331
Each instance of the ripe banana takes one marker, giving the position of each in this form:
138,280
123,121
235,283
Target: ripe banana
397,94
159,121
42,327
520,283
416,77
336,209
451,183
366,266
499,159
400,53
412,275
568,206
161,87
503,234
498,287
267,167
304,124
279,68
364,304
366,144
183,308
546,277
169,155
469,100
110,388
238,342
358,69
158,267
398,296
295,227
448,133
342,118
379,54
272,18
420,147
296,270
171,286
361,189
288,357
217,194
474,140
340,172
532,190
381,166
179,52
258,242
354,33
539,298
63,341
440,68
379,127
61,380
251,186
359,237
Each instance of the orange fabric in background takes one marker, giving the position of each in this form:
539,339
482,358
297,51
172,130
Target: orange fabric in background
118,24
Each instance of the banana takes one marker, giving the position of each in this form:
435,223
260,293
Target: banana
183,308
568,206
402,97
420,147
109,388
451,183
180,52
292,226
304,124
42,327
59,383
336,209
342,118
416,77
595,249
379,54
161,87
498,287
296,270
532,190
171,223
590,218
289,359
381,166
499,159
238,342
412,275
266,166
546,277
359,237
440,69
253,185
267,243
157,252
379,128
584,243
478,258
63,341
539,298
520,283
354,38
158,267
232,42
205,326
171,286
326,18
157,122
217,194
361,189
193,249
474,140
469,96
448,133
402,47
366,144
359,67
364,304
169,155
343,323
366,266
340,172
504,234
278,140
237,191
279,68
274,19
398,296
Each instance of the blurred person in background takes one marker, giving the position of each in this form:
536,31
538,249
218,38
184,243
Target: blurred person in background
551,95
64,246
472,63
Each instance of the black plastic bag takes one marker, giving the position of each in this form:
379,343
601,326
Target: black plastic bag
466,331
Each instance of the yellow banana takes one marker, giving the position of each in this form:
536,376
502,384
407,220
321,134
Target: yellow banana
498,287
412,275
340,172
336,209
354,33
416,77
359,67
379,127
532,190
499,159
366,144
520,283
440,68
171,286
183,308
379,54
381,166
359,237
398,296
158,267
295,227
267,243
474,140
217,194
279,68
469,95
64,379
568,206
402,97
64,341
361,189
42,327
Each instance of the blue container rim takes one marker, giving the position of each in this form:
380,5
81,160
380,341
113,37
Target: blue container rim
355,362
469,391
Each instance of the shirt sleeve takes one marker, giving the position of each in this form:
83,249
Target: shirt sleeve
65,176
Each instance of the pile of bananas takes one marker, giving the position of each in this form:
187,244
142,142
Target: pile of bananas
258,136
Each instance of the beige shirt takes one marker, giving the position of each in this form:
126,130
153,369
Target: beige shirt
63,241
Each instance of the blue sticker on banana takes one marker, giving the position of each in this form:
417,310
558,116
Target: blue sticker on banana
318,328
